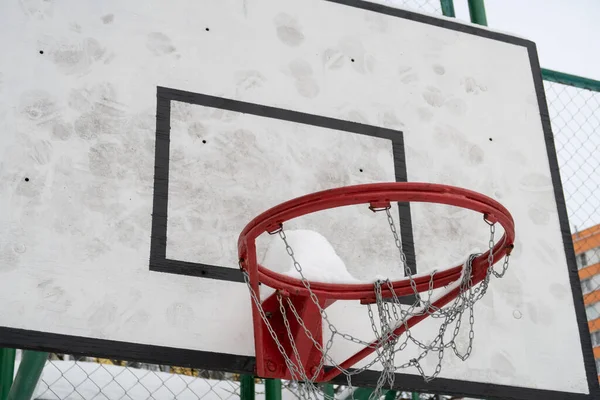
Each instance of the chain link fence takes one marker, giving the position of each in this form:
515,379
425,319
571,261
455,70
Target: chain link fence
575,115
423,6
70,377
67,377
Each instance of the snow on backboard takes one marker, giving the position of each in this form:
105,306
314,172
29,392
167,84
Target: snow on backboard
139,138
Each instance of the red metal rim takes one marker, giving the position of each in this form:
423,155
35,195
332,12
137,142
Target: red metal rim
375,194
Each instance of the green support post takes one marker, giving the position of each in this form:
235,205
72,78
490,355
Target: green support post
390,395
247,387
361,394
28,375
477,12
328,391
272,389
448,8
415,396
7,371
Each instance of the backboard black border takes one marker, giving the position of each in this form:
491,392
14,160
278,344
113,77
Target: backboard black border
45,341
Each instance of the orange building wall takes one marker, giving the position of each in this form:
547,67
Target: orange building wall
589,271
591,298
586,239
583,241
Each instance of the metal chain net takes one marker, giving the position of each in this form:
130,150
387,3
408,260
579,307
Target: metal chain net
391,314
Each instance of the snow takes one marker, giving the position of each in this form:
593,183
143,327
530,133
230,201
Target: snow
314,253
318,259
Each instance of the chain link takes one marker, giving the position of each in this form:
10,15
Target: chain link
67,376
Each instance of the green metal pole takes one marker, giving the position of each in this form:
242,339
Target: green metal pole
448,8
570,80
390,395
272,389
28,375
247,387
477,12
328,391
415,396
7,371
361,394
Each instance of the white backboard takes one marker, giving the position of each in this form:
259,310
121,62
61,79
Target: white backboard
140,137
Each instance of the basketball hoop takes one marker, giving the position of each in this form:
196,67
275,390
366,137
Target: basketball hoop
288,325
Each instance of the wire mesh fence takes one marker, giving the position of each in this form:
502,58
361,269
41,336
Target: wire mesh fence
575,117
67,377
423,6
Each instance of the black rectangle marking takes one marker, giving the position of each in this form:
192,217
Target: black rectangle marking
158,244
